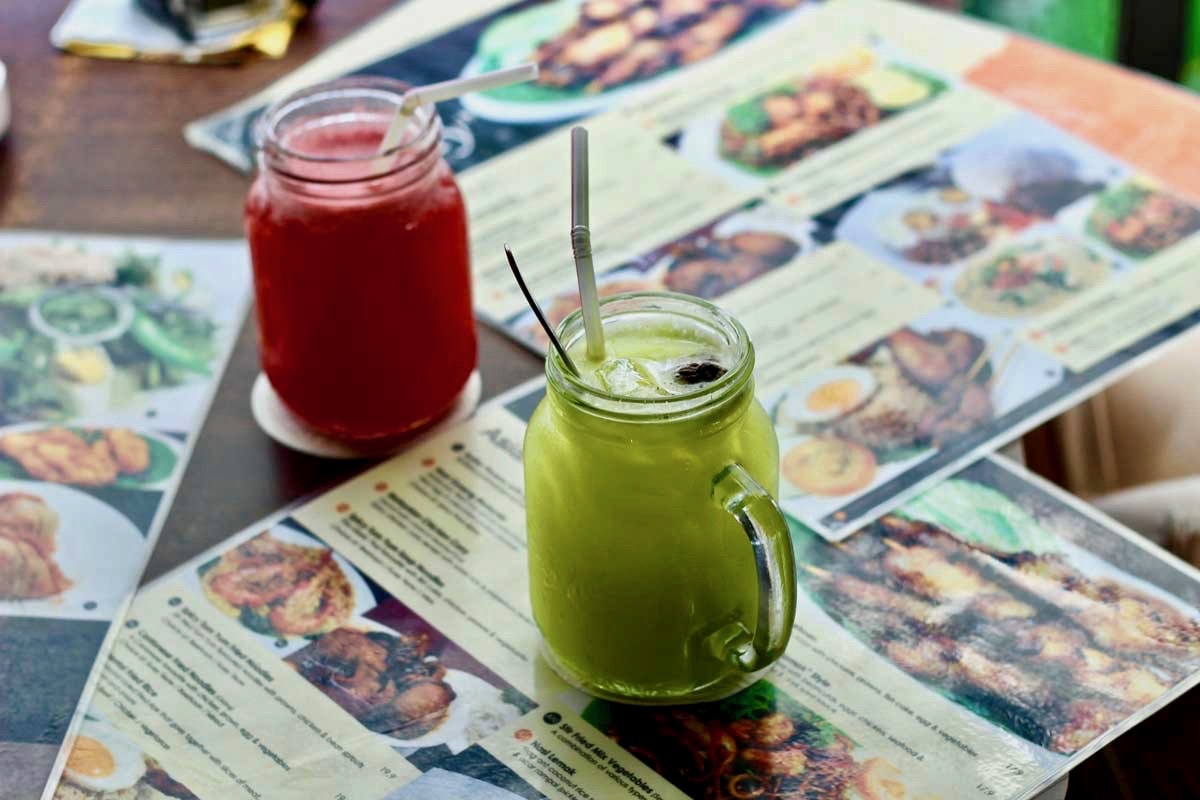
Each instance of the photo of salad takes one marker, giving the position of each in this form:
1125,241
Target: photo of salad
586,50
1030,278
1140,220
83,333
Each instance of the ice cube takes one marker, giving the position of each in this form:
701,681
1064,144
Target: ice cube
628,377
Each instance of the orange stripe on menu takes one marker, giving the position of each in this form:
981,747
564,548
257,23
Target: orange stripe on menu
1146,122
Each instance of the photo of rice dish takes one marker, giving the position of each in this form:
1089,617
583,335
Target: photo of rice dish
902,396
792,120
105,764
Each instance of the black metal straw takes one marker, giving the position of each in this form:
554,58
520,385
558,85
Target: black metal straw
537,312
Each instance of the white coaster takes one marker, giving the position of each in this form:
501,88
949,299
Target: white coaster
281,425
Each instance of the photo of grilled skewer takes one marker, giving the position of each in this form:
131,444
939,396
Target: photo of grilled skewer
1030,641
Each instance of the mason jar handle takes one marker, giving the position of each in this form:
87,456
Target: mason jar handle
763,521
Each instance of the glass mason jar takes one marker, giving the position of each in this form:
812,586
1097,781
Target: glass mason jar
361,267
661,568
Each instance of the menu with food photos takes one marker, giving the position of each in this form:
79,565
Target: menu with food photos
377,641
937,233
110,348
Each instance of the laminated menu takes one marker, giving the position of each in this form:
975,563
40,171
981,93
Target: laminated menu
110,348
938,234
377,641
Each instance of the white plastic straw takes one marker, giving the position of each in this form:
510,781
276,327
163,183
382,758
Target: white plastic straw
581,245
446,90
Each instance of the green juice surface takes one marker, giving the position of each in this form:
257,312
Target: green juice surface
633,564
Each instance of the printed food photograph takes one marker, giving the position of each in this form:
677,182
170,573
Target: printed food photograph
63,553
908,393
28,541
1139,220
706,262
284,585
984,191
971,594
587,49
402,679
105,764
1030,277
527,329
87,456
759,743
776,128
85,333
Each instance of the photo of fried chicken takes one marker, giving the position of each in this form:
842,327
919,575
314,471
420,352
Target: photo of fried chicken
28,540
709,266
1027,641
390,682
279,589
80,457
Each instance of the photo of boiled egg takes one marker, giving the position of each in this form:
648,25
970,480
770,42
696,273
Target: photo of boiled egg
825,396
103,759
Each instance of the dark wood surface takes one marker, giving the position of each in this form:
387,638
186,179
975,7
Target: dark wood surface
96,146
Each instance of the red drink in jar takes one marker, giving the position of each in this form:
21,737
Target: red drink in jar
361,268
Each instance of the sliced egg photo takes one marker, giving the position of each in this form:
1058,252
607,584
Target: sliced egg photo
893,89
825,396
103,759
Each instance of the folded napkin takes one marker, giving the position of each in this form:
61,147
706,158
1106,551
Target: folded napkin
118,29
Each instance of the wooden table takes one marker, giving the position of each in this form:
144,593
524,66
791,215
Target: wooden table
96,147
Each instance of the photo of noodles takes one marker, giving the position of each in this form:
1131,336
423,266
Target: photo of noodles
279,589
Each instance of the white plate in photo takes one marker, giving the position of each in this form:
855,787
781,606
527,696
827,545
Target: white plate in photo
769,219
531,113
468,691
364,598
441,784
99,550
876,224
794,410
700,144
993,170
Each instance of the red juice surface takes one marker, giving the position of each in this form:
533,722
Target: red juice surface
363,287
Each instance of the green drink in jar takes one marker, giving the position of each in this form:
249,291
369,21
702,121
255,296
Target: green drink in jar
661,568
